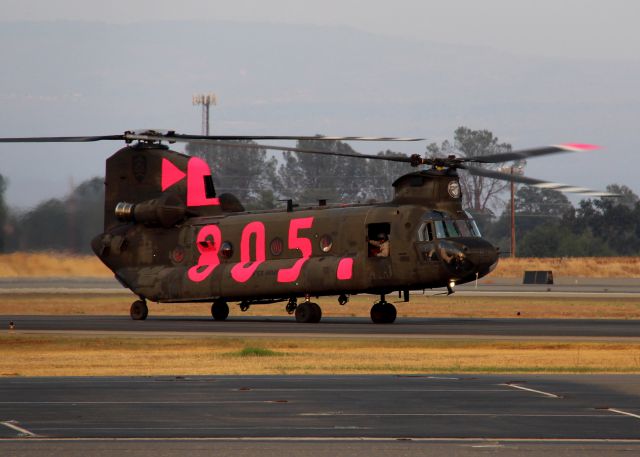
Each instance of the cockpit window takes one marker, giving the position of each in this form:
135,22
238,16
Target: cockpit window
425,232
463,228
451,228
441,232
474,227
448,228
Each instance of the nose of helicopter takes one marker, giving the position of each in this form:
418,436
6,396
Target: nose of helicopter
466,256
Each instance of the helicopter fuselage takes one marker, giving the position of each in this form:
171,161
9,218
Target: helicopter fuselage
169,238
313,251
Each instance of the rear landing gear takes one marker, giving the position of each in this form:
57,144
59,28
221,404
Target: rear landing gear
308,312
383,312
139,310
292,304
219,310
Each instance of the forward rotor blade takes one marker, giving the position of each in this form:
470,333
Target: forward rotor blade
536,182
179,137
61,139
152,135
312,151
533,152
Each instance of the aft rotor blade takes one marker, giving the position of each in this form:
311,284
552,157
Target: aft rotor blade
61,139
179,137
533,152
403,159
536,182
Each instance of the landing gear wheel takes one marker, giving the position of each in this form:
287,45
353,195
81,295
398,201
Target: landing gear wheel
308,313
383,313
317,313
219,310
292,304
139,310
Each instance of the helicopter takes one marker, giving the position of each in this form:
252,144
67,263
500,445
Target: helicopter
170,238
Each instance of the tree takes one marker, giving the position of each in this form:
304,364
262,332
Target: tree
85,214
310,177
45,227
626,196
479,193
541,202
66,224
248,173
381,174
557,240
616,220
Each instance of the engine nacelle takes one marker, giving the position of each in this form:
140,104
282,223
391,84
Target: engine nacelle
165,211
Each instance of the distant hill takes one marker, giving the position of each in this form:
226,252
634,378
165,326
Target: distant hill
77,78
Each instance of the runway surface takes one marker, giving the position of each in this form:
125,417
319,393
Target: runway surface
607,329
267,413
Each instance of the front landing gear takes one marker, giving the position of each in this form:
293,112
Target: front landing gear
219,310
383,312
139,310
308,312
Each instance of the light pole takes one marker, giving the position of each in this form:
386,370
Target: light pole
205,100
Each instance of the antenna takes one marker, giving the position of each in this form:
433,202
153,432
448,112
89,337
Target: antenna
205,100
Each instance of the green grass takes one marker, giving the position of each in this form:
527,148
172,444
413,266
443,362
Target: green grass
251,351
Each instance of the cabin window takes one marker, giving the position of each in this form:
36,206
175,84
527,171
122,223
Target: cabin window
326,243
226,250
276,246
378,239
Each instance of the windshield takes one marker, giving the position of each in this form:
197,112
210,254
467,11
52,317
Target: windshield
450,228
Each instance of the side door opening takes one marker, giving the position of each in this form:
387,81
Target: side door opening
379,244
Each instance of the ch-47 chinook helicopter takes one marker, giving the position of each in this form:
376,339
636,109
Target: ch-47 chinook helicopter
170,238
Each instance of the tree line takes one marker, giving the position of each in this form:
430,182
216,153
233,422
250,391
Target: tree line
547,224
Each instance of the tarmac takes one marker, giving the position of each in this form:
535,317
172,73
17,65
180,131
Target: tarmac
421,415
321,415
342,327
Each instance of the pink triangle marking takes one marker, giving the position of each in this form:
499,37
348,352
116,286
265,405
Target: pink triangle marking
170,174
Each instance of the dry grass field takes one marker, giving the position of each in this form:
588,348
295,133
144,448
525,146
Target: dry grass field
49,355
54,264
81,355
61,264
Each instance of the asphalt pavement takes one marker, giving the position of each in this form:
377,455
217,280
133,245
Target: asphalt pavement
348,327
317,415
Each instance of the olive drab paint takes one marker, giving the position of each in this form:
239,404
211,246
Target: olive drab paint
169,238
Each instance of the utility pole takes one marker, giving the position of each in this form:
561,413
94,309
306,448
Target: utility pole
513,170
513,218
206,100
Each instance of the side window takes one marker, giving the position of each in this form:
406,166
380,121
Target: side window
378,242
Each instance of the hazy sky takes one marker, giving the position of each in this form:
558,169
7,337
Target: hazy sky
535,73
562,28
